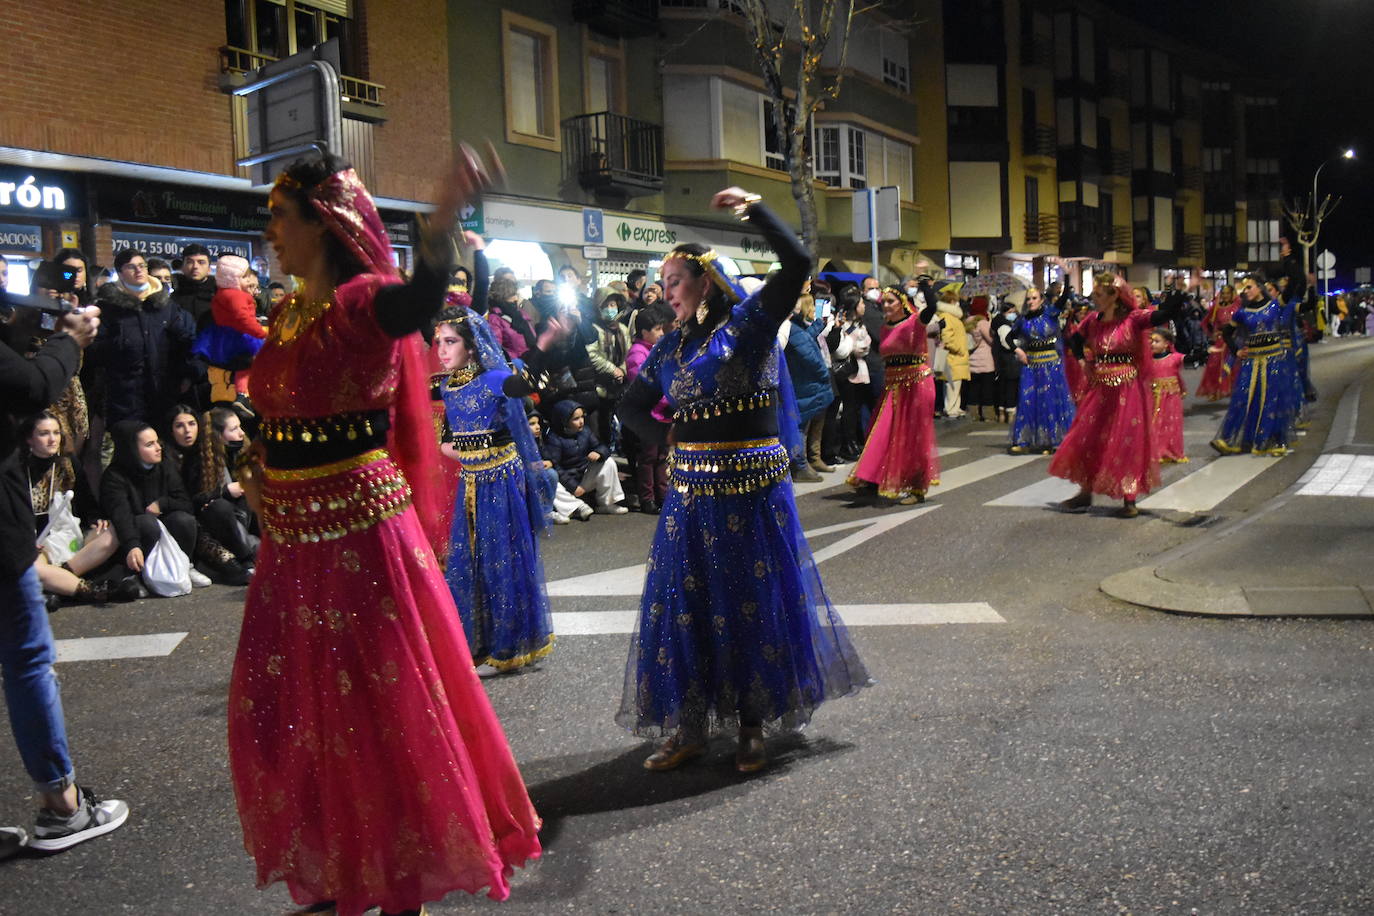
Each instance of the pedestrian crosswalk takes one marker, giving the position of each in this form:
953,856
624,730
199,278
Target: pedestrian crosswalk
609,623
1339,475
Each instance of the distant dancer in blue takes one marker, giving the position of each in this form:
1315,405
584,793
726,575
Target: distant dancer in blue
493,568
735,630
1266,396
1044,410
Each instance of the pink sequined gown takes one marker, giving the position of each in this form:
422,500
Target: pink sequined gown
900,455
1217,376
1110,447
368,765
1166,406
1075,370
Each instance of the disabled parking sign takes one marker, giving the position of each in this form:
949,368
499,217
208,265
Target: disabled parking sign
593,223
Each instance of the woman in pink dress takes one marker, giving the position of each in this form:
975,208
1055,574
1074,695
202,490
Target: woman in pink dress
1110,447
1076,370
1166,392
368,766
900,456
1217,377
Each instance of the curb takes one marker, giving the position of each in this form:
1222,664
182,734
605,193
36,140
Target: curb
1147,587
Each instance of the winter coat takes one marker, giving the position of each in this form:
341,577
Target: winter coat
981,359
127,488
852,340
634,361
806,367
954,339
502,319
193,296
143,350
607,353
568,451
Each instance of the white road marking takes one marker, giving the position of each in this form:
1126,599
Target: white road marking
944,450
101,648
606,623
1208,486
1339,475
1004,433
629,580
978,470
1038,494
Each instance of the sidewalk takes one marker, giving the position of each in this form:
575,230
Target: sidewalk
1309,552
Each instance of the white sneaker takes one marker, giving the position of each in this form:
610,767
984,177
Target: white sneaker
611,510
583,512
558,518
199,579
91,819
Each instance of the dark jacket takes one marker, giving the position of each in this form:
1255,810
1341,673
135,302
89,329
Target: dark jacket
26,386
568,451
127,488
807,369
193,296
143,351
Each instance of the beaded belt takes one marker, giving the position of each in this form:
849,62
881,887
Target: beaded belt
1114,370
904,359
721,406
1042,357
1267,339
486,459
324,503
898,376
472,440
1041,343
1115,359
1168,385
727,468
318,429
1265,350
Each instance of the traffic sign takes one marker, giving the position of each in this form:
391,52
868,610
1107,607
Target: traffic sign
1326,260
472,218
292,110
889,213
593,226
1326,274
594,252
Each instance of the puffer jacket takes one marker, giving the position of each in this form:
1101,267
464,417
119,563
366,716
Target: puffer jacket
806,367
954,339
567,450
143,352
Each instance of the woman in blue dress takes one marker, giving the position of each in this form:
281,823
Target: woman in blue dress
1265,396
735,630
1044,410
493,567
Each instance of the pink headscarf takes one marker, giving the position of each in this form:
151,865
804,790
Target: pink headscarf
347,208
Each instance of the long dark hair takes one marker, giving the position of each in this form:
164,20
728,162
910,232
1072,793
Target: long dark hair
62,466
306,173
76,254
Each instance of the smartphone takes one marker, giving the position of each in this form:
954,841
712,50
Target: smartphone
824,308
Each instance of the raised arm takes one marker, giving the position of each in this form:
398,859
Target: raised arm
779,294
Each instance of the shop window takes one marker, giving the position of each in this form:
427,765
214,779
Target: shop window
530,57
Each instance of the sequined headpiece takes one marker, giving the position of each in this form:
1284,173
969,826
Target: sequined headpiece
345,206
902,296
710,263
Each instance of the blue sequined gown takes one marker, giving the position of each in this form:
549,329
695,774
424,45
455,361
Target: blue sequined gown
1266,395
1044,409
734,624
494,569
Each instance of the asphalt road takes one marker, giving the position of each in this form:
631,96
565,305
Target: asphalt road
1071,754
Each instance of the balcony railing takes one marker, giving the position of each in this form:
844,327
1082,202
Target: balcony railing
1116,162
1192,246
1039,140
613,153
1117,238
1190,178
1190,109
238,61
1042,229
621,18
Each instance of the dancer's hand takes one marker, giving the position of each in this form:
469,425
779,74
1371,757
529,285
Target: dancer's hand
467,179
250,474
472,241
1021,357
732,199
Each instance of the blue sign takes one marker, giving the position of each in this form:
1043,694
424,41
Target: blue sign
593,221
169,247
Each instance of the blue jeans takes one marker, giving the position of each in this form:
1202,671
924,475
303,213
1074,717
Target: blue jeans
27,654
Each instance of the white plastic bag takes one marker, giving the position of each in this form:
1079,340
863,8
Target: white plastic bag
167,569
61,537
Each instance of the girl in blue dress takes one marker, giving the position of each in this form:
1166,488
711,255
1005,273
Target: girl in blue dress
1265,397
1044,410
493,568
735,630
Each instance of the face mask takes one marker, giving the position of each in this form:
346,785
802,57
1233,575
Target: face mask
140,288
873,295
912,291
608,314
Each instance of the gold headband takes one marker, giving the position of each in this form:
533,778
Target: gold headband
284,180
707,262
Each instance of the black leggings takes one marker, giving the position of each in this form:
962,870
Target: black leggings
181,525
223,521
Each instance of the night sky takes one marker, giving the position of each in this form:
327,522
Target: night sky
1326,49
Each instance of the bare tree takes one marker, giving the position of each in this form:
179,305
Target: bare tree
1306,216
799,92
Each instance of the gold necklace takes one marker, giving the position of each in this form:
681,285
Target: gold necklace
299,313
460,377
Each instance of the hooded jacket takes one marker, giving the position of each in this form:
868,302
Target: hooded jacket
568,451
143,350
806,367
127,488
954,339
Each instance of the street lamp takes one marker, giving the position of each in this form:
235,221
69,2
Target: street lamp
1317,214
1347,154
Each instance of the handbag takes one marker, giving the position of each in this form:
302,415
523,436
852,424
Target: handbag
845,369
61,538
167,569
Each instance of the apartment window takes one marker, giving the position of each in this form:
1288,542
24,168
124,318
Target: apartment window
280,28
774,155
851,157
1263,241
1219,230
1032,196
896,69
530,58
828,161
603,80
1106,215
858,169
1214,158
1262,166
